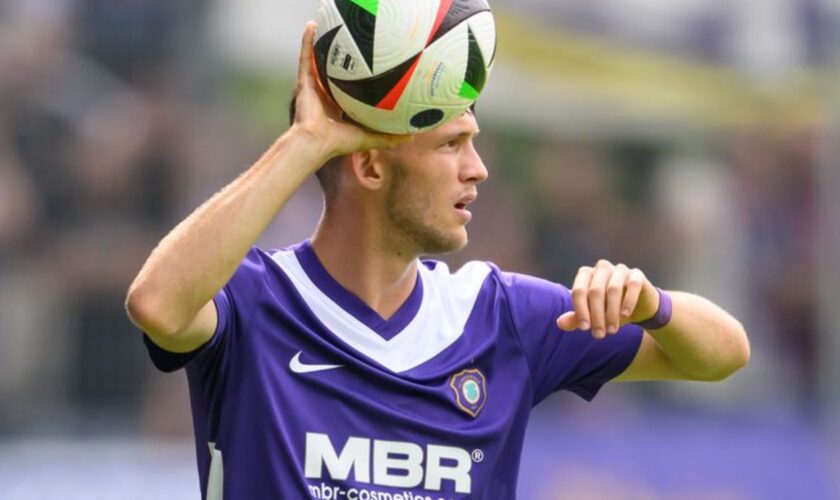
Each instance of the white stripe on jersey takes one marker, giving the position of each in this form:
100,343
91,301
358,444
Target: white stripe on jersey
448,300
216,477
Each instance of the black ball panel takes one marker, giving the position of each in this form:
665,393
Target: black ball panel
426,118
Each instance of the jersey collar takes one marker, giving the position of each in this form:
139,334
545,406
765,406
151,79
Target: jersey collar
351,303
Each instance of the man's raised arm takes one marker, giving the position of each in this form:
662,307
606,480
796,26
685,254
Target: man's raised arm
171,297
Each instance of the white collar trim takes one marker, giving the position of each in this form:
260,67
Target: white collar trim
447,303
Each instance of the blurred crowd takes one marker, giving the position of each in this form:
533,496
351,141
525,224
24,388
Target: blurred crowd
97,143
116,121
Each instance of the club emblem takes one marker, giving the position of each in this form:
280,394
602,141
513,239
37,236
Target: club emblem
470,388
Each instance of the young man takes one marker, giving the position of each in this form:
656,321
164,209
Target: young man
344,367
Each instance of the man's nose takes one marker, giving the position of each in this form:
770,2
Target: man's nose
473,169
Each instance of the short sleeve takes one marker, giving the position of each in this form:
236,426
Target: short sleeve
560,360
234,305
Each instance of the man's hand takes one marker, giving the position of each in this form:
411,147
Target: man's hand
317,116
607,296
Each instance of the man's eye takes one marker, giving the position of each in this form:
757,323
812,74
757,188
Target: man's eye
452,144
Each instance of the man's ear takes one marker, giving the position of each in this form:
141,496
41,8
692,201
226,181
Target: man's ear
368,169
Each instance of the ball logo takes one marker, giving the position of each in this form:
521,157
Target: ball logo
470,390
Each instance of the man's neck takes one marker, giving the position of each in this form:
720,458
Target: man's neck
382,278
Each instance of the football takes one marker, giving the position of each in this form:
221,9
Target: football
402,66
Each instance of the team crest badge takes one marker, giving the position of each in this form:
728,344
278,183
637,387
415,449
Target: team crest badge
470,388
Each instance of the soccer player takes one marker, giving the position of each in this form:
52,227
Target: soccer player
346,368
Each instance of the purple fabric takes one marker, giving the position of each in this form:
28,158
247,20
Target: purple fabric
559,360
260,414
352,303
663,313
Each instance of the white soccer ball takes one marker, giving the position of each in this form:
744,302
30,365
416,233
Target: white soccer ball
402,66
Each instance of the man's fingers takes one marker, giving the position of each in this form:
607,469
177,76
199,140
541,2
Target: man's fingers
305,64
596,296
580,300
568,321
615,293
387,141
635,281
369,139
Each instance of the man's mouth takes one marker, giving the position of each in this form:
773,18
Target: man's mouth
461,206
465,200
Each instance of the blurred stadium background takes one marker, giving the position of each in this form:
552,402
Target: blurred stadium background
696,139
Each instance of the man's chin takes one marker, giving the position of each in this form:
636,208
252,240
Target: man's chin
453,243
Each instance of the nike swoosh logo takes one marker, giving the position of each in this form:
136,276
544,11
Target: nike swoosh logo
296,366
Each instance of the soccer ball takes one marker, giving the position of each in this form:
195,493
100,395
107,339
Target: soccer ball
402,66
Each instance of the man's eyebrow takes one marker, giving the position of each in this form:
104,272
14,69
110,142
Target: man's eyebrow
464,134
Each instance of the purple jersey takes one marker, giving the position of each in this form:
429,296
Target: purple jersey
306,392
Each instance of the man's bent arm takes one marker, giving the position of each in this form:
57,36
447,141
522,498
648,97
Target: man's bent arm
701,342
194,261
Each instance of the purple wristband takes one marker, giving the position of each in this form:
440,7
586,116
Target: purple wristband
663,314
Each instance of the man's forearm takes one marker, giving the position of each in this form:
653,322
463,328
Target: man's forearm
702,340
194,261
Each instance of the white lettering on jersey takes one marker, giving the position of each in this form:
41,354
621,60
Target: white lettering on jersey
397,456
395,463
355,455
460,472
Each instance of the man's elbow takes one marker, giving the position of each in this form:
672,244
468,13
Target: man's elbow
736,357
741,350
143,311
